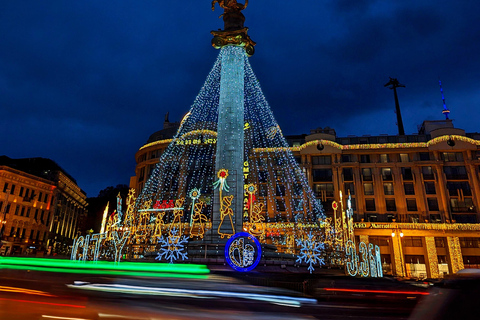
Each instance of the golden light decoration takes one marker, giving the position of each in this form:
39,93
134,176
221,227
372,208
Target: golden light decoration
368,146
432,257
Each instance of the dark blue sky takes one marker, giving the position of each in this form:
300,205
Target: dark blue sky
86,82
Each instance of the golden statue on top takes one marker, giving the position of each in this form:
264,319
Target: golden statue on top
234,32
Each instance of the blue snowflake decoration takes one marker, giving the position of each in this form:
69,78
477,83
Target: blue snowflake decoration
310,251
172,247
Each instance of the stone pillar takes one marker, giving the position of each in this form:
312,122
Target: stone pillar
432,259
230,139
455,254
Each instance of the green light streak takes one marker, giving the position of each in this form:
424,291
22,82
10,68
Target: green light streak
105,272
106,266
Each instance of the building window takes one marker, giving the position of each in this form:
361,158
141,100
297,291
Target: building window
21,192
367,174
469,242
324,190
7,209
412,242
439,242
368,189
262,176
430,188
17,208
22,212
384,158
461,188
347,158
462,206
404,157
379,241
409,188
349,188
280,205
424,156
40,196
322,175
348,174
427,173
318,160
12,191
388,189
411,205
407,173
455,173
263,190
370,205
365,158
432,204
31,234
5,187
46,198
390,203
452,156
280,190
387,174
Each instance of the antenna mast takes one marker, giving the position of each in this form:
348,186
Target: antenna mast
445,109
394,84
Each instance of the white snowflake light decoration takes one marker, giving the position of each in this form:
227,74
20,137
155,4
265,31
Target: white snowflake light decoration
172,247
310,251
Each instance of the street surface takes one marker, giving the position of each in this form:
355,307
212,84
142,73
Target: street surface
43,295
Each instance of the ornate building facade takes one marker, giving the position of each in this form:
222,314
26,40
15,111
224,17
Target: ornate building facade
416,196
40,206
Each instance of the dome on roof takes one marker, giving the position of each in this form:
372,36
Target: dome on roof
167,133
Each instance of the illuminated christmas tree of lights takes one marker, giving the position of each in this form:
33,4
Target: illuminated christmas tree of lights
278,204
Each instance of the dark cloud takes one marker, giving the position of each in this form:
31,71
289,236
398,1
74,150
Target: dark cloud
86,82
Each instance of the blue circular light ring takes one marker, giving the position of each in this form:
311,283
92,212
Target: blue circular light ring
227,251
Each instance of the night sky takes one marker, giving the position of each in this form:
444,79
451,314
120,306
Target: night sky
86,82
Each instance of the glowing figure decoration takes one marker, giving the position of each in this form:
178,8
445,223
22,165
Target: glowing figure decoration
119,206
177,215
172,247
221,183
243,252
226,211
194,195
199,221
310,251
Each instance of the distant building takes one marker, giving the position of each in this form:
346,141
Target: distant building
40,206
416,196
147,156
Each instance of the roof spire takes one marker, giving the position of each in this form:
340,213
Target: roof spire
445,109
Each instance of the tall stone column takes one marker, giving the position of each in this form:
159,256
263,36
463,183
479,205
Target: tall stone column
230,140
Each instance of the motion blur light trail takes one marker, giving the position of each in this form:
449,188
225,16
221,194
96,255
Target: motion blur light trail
188,293
377,291
25,291
107,267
